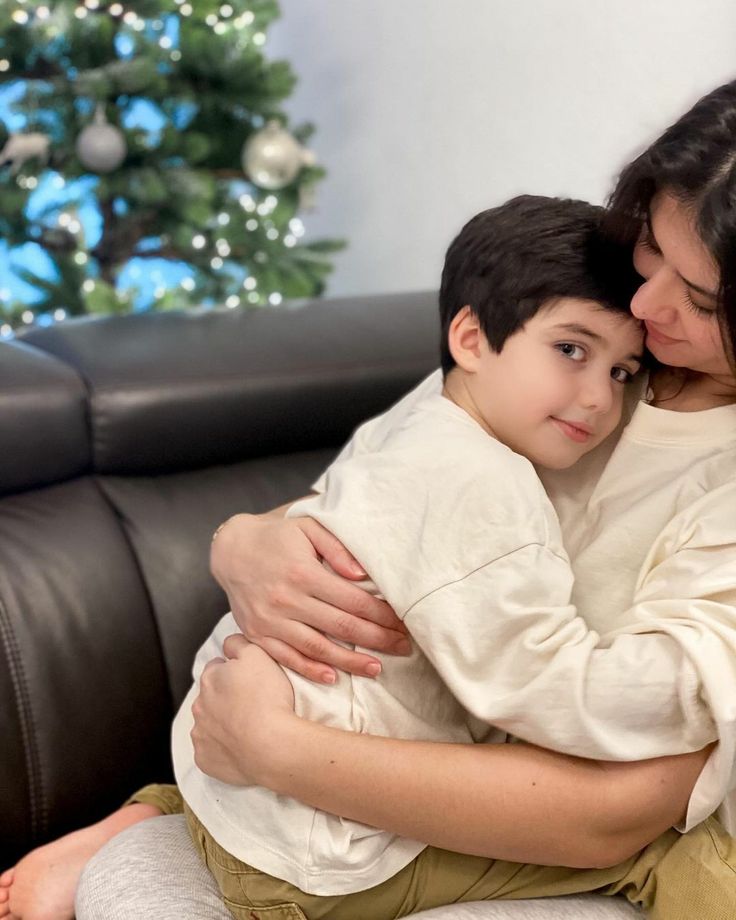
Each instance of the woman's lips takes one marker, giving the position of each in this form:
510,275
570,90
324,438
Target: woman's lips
576,432
657,336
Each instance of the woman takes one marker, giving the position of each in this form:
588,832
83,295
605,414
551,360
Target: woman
680,197
515,801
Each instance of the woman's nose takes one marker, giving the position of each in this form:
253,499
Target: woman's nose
655,300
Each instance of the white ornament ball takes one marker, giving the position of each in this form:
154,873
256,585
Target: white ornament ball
101,147
272,158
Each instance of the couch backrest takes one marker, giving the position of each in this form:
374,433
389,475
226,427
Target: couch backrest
123,442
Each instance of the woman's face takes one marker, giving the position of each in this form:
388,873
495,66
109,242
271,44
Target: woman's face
677,301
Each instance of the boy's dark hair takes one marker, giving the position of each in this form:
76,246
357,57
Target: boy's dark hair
508,261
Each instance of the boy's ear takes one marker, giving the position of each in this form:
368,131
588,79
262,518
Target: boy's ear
464,339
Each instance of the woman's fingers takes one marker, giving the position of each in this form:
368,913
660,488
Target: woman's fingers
288,657
323,601
332,621
346,597
234,644
213,662
333,589
331,549
315,656
310,626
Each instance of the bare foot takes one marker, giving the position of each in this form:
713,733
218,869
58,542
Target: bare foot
43,884
5,881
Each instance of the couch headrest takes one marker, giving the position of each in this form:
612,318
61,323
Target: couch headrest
43,425
178,390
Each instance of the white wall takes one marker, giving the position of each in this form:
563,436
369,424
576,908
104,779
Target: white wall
430,110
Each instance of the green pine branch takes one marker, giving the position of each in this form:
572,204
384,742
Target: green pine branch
180,194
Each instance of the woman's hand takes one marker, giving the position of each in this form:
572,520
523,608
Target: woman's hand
288,603
244,700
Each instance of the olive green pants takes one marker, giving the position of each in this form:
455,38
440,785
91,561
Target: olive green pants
677,877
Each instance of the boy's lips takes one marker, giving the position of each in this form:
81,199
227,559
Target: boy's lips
576,431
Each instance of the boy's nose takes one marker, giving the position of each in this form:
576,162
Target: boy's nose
597,395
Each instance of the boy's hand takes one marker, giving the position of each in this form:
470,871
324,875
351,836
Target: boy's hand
243,701
288,603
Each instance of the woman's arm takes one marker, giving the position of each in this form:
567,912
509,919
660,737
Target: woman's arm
512,801
509,801
285,601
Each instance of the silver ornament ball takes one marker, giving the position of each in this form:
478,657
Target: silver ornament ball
101,147
272,158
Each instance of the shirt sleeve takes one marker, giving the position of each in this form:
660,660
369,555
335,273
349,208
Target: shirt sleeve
664,684
537,671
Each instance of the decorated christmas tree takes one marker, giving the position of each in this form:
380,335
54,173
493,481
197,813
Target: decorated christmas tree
150,132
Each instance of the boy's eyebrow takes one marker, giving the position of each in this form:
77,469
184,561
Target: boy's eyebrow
691,284
580,329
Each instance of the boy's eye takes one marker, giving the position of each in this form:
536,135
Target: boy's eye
621,375
571,351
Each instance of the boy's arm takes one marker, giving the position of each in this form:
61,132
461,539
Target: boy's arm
537,671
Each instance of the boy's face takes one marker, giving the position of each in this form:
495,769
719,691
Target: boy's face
556,389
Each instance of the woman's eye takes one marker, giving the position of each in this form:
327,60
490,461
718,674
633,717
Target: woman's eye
646,241
621,375
571,351
705,312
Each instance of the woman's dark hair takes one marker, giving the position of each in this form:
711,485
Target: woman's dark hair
507,262
695,161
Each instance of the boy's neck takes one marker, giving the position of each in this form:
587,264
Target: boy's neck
455,388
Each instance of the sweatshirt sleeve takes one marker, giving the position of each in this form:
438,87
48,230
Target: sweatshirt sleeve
535,669
662,685
519,656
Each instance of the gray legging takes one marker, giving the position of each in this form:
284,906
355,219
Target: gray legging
152,871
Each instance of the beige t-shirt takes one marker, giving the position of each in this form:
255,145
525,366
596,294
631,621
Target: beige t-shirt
657,677
452,526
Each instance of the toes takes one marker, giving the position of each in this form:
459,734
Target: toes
6,879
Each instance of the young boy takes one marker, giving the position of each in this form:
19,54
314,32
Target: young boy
451,522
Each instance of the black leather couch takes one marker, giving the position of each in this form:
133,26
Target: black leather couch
123,443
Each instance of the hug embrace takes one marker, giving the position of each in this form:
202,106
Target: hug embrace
539,546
